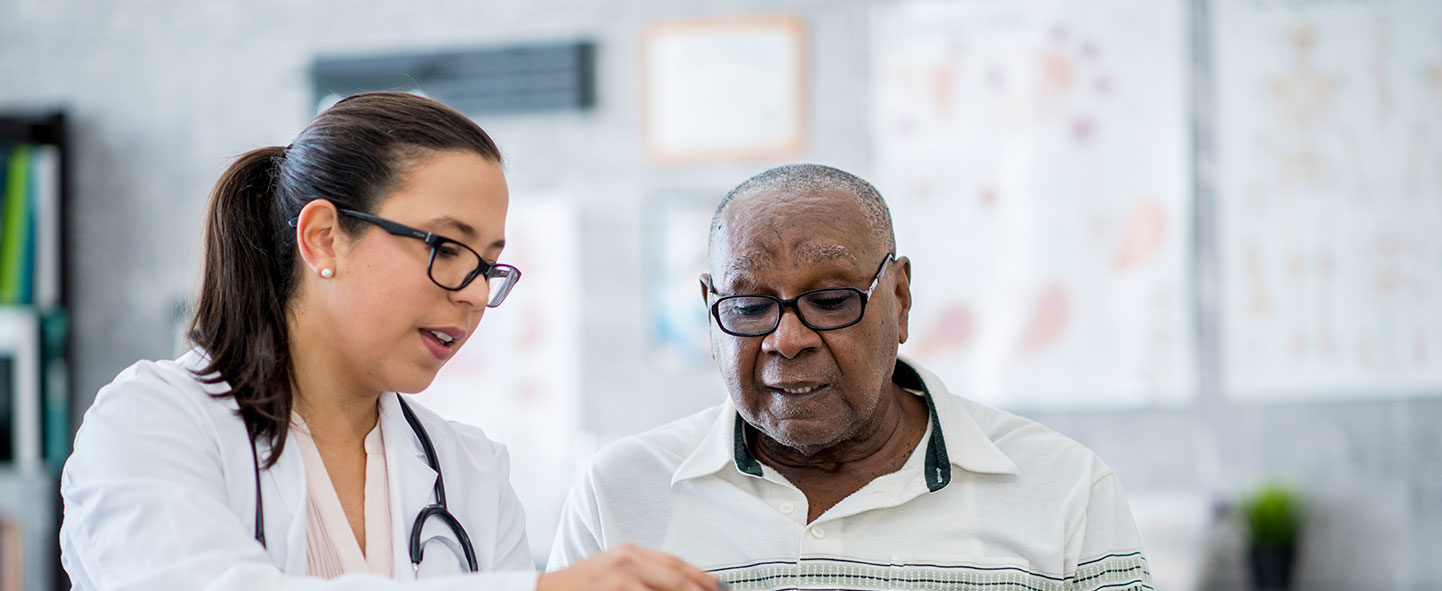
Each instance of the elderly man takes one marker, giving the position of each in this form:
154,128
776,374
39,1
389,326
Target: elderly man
834,464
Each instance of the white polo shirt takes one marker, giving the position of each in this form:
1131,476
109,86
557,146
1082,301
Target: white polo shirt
987,501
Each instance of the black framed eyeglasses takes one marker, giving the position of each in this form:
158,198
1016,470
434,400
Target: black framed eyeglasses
828,308
452,265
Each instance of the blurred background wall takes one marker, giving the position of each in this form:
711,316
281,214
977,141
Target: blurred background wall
162,95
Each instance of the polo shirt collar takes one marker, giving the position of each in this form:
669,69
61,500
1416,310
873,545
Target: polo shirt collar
966,445
716,450
956,438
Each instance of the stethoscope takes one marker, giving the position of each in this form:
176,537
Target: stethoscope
436,509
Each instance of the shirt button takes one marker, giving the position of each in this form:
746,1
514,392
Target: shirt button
817,532
786,508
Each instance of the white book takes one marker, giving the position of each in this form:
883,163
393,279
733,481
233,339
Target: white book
20,343
46,168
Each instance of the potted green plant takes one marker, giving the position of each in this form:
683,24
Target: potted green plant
1274,520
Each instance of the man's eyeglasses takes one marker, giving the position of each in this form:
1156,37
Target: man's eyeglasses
453,265
819,309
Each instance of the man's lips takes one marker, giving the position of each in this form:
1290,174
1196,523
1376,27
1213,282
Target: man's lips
797,388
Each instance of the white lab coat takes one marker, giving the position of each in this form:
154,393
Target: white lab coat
160,494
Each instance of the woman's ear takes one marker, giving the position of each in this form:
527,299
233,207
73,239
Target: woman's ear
317,229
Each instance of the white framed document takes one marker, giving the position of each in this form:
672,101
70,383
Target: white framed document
724,89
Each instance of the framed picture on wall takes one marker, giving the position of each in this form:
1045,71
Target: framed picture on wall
724,89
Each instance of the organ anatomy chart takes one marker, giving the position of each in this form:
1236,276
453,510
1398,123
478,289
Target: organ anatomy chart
1329,197
1036,158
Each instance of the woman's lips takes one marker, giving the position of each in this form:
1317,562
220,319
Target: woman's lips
441,342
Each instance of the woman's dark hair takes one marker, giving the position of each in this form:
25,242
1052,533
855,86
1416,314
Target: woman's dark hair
353,154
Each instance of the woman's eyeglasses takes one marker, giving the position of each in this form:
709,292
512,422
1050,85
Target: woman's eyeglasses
452,265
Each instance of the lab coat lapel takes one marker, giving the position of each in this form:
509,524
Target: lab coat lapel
283,488
411,480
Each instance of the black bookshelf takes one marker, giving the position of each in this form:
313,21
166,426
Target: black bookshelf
49,129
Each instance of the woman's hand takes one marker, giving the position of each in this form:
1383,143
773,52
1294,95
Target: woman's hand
629,568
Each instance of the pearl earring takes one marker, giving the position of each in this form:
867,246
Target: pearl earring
327,273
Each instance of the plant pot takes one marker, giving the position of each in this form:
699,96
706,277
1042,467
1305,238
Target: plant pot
1272,567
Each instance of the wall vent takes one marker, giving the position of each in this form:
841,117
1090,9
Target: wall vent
510,79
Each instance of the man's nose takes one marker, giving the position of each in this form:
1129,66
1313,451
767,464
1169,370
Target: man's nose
791,336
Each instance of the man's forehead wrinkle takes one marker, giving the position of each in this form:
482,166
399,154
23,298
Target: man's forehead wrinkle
754,238
750,254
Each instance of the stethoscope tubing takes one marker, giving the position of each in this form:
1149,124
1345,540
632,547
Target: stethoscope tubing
437,509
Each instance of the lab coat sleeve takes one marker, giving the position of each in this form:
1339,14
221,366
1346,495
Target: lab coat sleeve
1106,547
146,504
578,536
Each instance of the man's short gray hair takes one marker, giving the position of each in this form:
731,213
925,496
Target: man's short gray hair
796,178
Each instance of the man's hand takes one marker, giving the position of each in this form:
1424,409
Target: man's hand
629,568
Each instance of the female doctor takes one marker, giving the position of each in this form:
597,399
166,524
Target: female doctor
277,454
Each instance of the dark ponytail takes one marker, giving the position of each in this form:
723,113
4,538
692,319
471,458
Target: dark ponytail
353,155
243,292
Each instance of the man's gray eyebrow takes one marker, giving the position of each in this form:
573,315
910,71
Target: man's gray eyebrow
810,254
820,253
746,262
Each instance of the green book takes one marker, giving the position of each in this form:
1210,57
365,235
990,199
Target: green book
14,239
5,150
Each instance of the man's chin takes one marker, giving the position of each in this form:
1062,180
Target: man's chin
799,436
